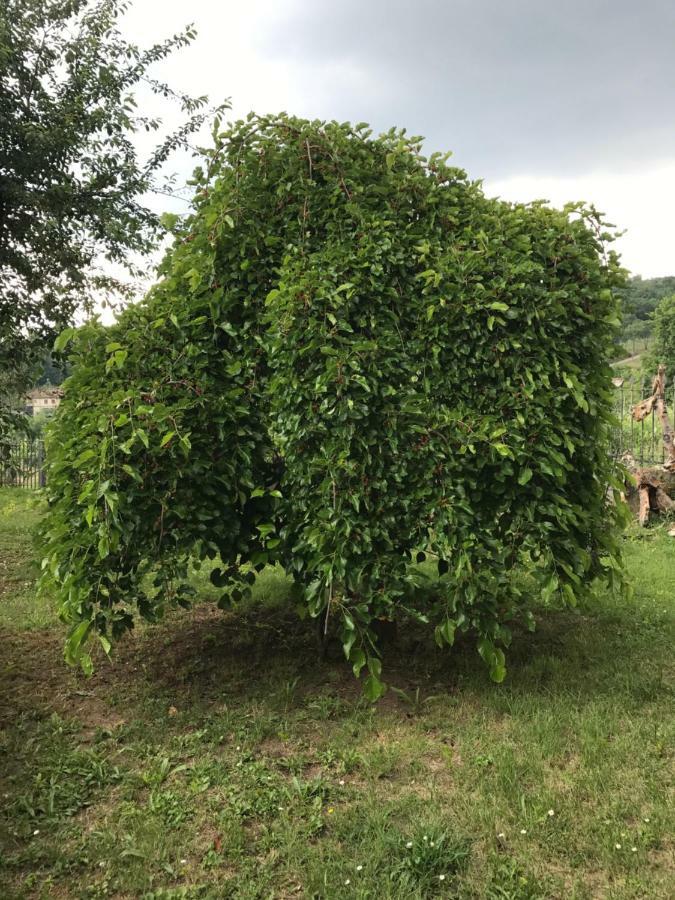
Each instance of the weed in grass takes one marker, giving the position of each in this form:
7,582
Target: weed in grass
413,701
509,882
428,863
160,770
59,780
171,808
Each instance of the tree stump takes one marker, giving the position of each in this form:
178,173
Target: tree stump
651,489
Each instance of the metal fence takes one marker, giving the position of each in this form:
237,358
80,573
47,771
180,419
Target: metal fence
22,464
643,440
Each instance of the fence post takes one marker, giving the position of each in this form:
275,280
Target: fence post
41,464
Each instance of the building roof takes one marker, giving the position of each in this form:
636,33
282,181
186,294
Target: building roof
44,393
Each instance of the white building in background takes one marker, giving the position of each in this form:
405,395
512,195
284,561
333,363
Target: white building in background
42,400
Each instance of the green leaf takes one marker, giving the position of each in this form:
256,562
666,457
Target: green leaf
448,631
103,546
373,688
87,488
502,449
143,437
167,437
76,640
374,666
86,664
358,660
498,674
525,476
64,339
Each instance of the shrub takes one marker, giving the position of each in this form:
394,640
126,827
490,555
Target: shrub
352,358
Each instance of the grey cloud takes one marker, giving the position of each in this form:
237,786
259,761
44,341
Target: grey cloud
511,87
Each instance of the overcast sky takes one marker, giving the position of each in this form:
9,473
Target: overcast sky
567,100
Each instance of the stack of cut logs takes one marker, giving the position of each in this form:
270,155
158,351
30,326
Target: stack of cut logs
653,488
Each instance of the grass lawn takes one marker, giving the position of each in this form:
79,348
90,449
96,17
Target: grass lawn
216,757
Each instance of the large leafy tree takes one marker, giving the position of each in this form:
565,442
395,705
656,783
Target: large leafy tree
73,183
353,358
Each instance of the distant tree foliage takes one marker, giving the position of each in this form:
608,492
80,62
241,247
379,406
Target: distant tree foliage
52,372
353,359
662,350
72,182
639,299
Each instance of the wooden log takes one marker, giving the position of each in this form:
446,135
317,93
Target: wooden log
643,513
654,486
662,501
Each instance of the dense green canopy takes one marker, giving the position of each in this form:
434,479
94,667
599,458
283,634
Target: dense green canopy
352,357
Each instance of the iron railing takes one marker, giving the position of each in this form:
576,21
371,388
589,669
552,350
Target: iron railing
643,440
22,464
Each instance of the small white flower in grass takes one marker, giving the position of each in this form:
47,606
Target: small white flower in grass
358,868
425,838
441,877
523,830
342,782
551,812
183,862
348,881
633,849
617,846
37,831
431,844
501,835
647,820
409,845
